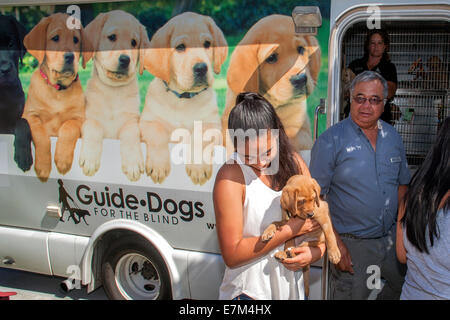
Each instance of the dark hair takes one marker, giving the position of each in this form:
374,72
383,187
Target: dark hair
386,41
428,186
252,111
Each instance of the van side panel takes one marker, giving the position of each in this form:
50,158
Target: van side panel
66,253
27,248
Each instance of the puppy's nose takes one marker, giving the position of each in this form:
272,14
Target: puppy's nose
124,61
299,80
200,69
69,57
310,214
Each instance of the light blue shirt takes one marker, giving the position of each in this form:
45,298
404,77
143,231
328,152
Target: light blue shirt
360,185
428,275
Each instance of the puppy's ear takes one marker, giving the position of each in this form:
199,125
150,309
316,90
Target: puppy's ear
157,57
242,74
144,44
20,35
317,191
220,45
314,57
36,40
289,199
91,38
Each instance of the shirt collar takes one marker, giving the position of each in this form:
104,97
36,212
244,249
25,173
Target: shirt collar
358,128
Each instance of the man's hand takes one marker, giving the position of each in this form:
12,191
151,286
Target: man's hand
345,264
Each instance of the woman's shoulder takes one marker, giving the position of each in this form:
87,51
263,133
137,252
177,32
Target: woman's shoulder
301,164
232,171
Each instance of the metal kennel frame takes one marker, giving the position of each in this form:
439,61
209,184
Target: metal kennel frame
420,51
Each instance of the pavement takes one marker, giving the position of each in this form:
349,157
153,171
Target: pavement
33,286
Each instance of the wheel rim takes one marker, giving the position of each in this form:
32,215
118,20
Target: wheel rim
137,278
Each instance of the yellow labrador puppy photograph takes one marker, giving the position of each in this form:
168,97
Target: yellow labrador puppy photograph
55,104
117,41
282,66
183,56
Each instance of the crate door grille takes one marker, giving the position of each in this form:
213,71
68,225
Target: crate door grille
421,54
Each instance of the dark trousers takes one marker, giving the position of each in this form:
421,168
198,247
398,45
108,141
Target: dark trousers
370,257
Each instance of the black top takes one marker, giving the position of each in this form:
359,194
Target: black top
387,70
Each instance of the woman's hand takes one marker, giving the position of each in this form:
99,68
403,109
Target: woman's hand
304,256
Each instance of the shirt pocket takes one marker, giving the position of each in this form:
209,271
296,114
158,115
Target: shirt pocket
391,166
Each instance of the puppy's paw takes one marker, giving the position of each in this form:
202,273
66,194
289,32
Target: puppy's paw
22,145
43,170
133,165
90,160
63,161
268,233
280,255
334,255
157,165
23,157
199,173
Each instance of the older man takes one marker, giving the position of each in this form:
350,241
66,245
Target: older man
361,166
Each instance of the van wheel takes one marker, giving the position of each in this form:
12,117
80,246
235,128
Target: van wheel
133,269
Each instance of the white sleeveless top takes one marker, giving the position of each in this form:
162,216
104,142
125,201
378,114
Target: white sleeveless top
264,278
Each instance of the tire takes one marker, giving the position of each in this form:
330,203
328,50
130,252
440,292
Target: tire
132,269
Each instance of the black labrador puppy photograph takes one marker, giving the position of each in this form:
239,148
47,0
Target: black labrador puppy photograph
12,99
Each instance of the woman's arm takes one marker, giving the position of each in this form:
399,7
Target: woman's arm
228,196
399,245
392,88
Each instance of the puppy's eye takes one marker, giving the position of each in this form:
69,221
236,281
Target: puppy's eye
55,38
112,37
272,58
300,50
75,40
180,47
133,43
207,44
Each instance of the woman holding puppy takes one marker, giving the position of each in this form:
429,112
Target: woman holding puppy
246,197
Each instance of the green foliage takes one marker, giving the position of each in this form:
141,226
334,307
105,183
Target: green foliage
29,63
154,18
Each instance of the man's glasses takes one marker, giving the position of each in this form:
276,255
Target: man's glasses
373,101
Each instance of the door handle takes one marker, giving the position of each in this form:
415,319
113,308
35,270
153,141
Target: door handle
319,109
8,261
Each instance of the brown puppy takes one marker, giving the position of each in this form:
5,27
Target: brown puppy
184,54
300,198
282,66
436,74
117,41
55,105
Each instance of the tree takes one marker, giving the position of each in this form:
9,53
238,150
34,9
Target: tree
182,6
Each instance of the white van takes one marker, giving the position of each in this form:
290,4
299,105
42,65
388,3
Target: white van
147,240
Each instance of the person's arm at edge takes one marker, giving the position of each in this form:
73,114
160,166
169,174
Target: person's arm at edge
400,246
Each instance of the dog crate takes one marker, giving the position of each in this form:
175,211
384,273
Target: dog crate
420,51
